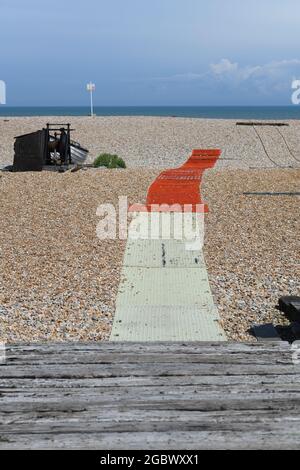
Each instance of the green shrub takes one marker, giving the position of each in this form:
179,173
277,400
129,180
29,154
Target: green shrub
109,161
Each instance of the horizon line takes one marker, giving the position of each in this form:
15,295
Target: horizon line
154,106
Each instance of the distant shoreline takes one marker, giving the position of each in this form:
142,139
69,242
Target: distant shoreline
200,112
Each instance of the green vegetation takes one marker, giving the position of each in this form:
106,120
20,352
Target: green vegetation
109,161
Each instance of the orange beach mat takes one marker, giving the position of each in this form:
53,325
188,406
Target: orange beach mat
182,186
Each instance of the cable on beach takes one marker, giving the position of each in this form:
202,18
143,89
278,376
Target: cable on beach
287,146
264,147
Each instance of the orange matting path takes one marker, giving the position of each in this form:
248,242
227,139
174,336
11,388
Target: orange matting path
181,186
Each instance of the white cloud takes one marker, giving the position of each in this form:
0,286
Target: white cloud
272,72
231,81
268,79
224,66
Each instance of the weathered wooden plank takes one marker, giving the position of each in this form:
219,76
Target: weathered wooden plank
204,440
143,421
115,393
137,370
154,396
153,381
209,402
248,387
153,348
263,358
115,415
111,418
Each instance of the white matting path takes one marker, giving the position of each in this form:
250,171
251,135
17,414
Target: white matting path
164,293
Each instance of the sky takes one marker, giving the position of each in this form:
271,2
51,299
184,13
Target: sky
149,52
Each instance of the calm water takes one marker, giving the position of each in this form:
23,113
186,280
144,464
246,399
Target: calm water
211,112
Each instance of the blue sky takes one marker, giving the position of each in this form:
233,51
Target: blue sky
150,52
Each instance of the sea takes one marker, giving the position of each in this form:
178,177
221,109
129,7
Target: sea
207,112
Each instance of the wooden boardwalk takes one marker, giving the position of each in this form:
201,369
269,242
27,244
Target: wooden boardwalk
149,396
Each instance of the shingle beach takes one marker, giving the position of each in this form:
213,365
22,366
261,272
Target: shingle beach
59,281
158,142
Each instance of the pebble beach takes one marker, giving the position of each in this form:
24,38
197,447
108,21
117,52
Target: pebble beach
59,281
159,142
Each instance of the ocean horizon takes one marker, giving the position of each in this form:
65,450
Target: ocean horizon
204,112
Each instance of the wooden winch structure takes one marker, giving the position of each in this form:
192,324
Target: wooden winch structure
49,147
